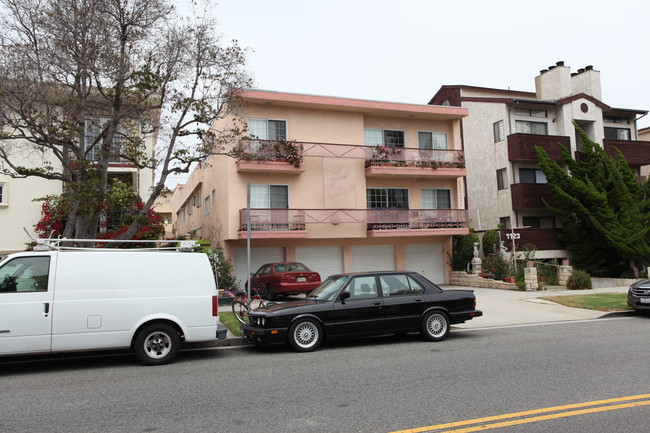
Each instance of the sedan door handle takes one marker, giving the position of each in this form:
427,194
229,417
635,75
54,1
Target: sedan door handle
46,310
417,299
376,302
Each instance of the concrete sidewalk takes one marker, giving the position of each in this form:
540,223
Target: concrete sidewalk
513,307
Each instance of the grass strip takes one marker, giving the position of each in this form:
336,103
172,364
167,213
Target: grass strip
228,319
596,301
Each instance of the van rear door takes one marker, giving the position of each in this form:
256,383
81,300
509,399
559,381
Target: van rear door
26,295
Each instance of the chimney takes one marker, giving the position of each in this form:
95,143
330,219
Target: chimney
555,83
587,81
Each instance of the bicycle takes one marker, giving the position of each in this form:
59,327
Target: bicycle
241,305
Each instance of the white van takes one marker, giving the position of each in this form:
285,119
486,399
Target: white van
149,301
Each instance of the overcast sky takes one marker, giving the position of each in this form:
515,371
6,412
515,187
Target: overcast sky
404,50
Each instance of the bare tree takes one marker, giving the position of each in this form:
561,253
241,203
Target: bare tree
123,69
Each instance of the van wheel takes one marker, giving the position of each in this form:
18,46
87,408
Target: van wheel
157,344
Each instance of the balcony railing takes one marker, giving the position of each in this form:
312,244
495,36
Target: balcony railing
521,147
263,151
529,195
543,239
375,219
635,152
422,158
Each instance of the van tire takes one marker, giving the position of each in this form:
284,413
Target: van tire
157,344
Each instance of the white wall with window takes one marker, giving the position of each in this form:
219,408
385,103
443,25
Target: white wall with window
532,175
3,194
265,196
387,198
383,137
432,140
436,198
267,129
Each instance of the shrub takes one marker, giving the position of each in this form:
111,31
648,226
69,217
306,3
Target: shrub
495,267
579,280
491,242
463,251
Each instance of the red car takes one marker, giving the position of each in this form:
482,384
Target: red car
286,278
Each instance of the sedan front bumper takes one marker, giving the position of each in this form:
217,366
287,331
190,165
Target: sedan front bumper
264,336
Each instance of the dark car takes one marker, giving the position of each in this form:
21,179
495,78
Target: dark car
362,304
286,278
638,296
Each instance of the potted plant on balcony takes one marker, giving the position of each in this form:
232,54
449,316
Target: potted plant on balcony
382,155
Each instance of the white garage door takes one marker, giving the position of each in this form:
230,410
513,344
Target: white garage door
373,258
425,259
324,260
259,256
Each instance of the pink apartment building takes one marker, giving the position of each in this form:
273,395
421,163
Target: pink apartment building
339,184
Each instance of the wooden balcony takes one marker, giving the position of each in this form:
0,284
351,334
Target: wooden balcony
636,153
543,239
294,223
521,147
529,195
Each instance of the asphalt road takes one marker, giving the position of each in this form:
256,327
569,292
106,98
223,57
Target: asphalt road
378,385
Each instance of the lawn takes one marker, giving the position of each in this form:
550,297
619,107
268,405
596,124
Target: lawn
230,321
596,301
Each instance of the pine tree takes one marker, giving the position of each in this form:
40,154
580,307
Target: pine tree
603,209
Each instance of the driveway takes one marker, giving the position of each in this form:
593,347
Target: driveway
513,307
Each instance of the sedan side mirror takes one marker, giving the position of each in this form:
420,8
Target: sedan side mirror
343,296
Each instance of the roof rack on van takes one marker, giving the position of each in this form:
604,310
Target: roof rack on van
58,244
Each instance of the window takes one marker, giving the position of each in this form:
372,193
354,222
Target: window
504,222
539,222
617,133
436,199
383,137
94,128
394,285
531,175
25,274
269,196
267,129
3,194
362,288
387,198
499,134
206,207
432,140
526,127
502,179
528,112
614,119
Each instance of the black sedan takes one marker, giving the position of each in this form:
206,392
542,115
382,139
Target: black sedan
362,304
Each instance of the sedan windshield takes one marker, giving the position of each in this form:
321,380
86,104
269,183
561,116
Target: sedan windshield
329,288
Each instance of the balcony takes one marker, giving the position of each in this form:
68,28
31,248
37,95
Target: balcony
416,222
521,147
275,156
273,223
635,152
293,223
543,239
386,162
529,195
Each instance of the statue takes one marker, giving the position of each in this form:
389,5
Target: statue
502,247
475,250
